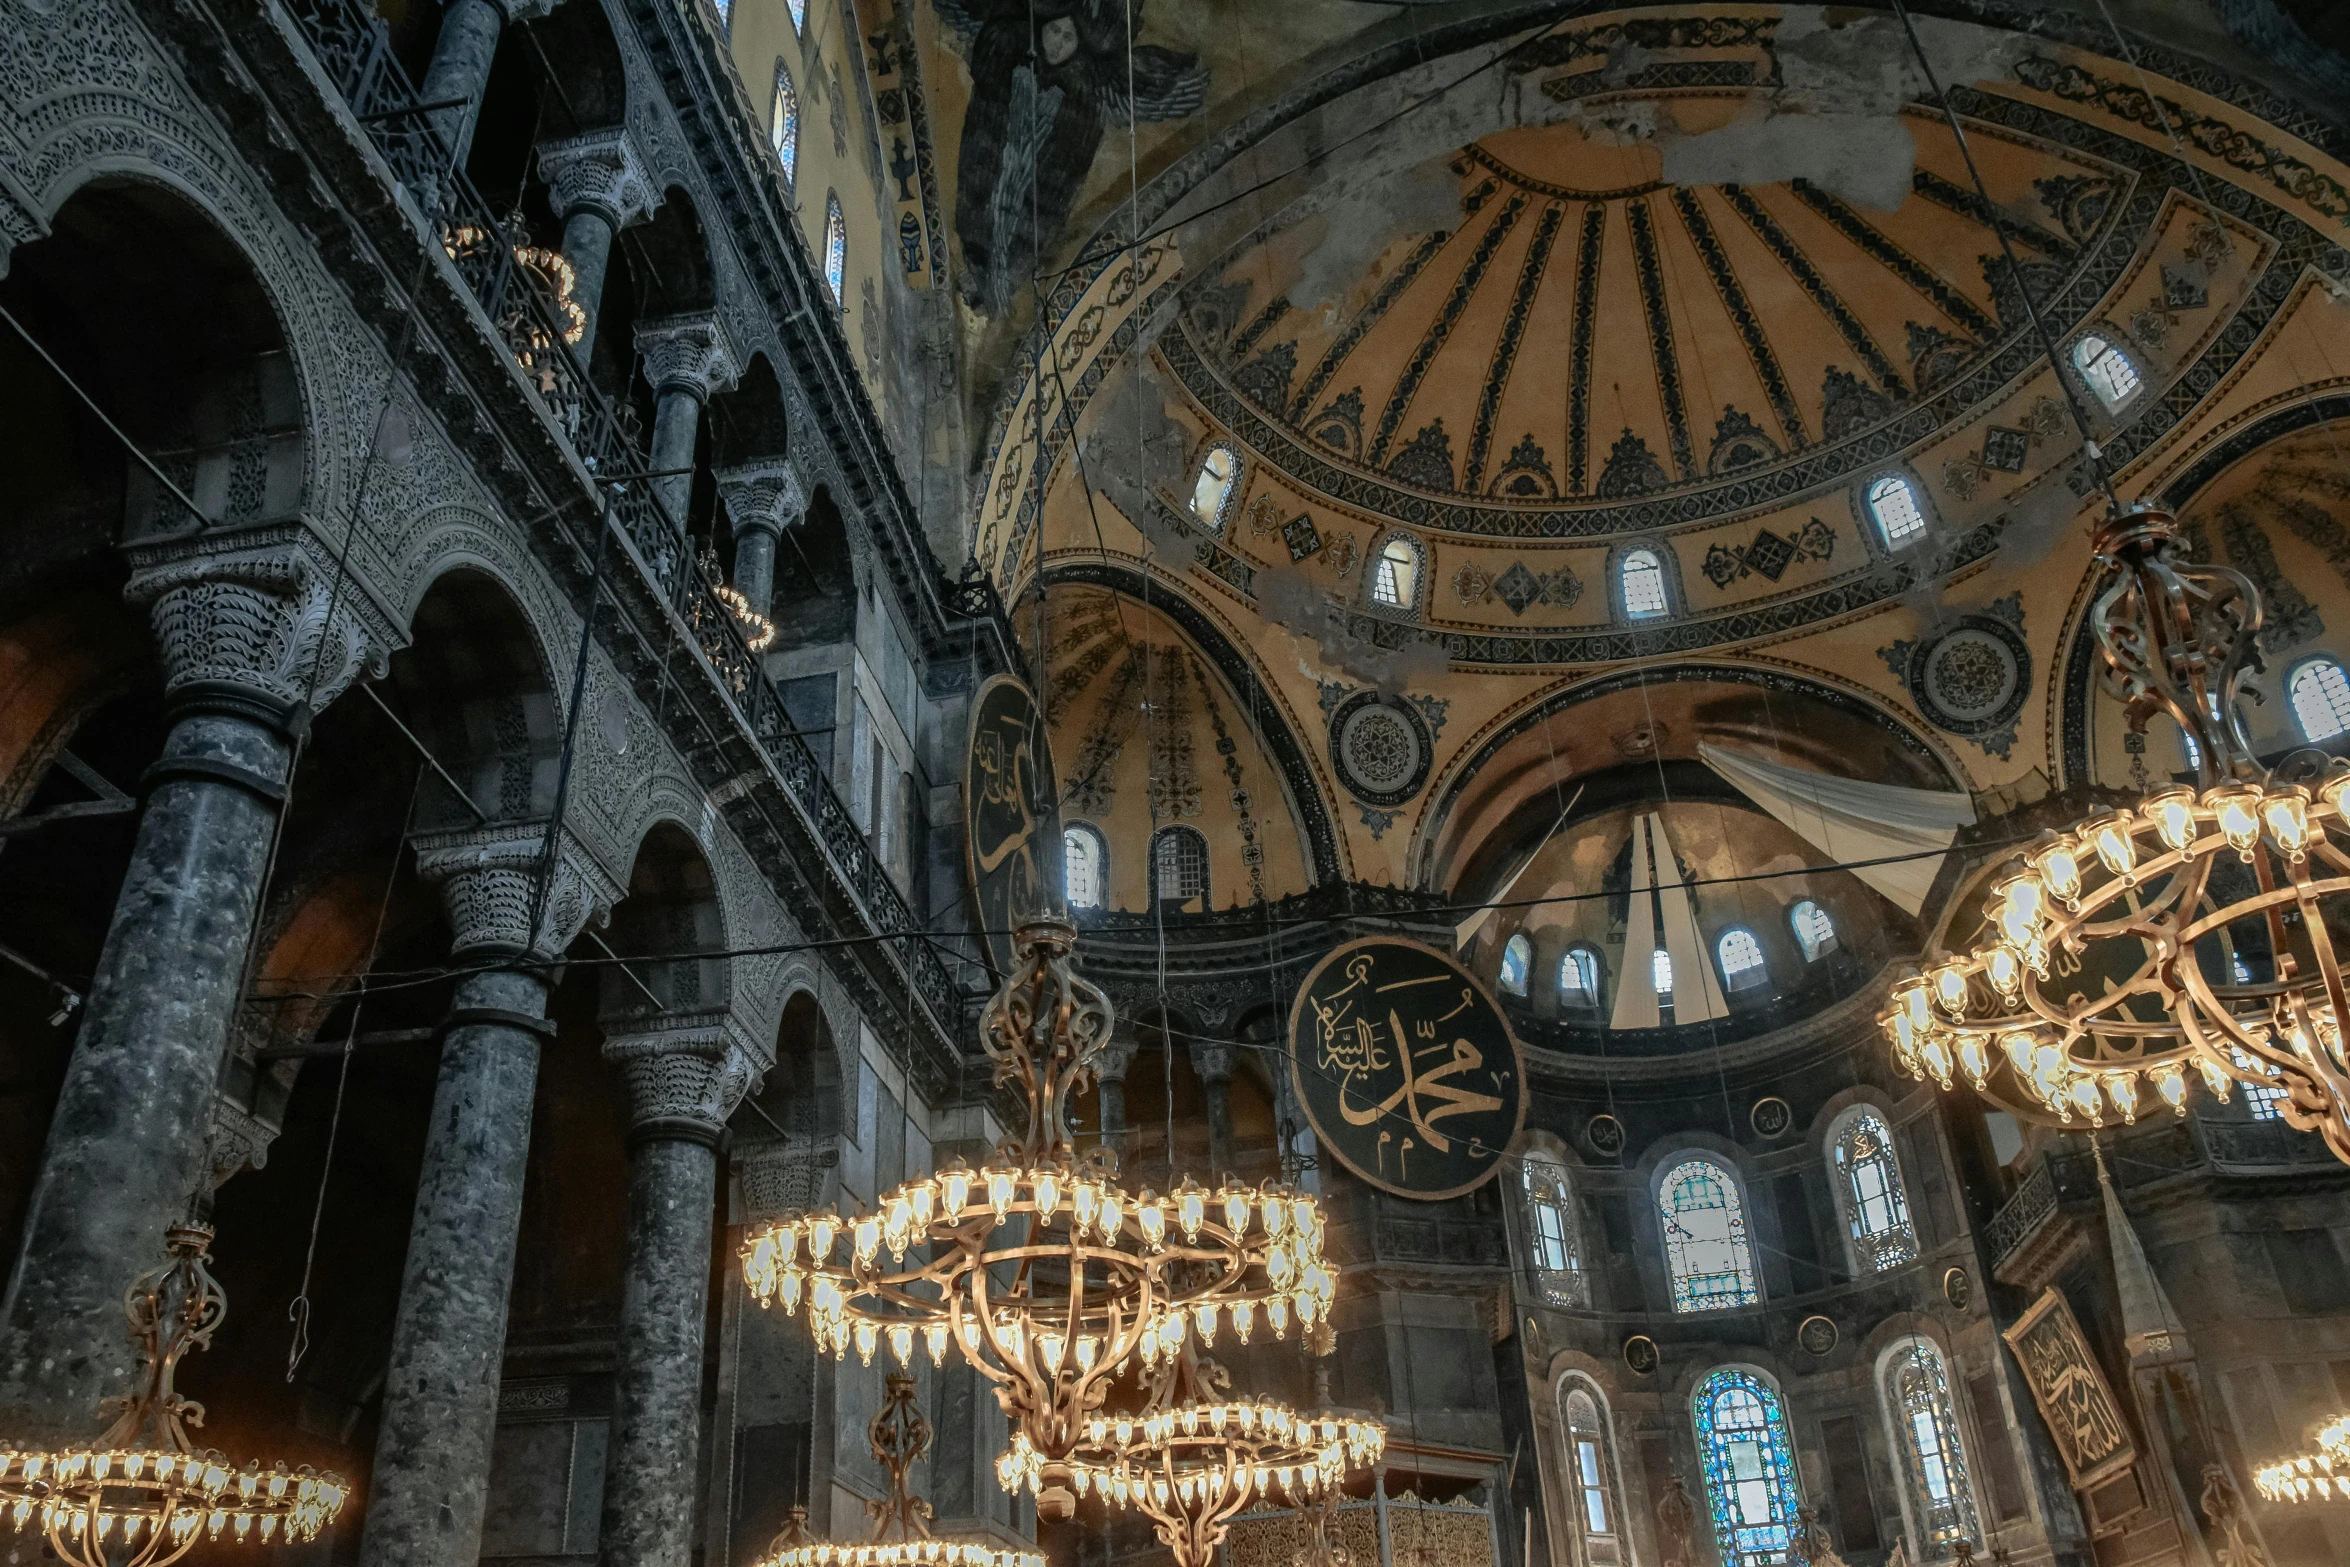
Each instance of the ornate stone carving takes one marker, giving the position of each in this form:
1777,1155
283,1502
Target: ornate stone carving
1213,1063
599,172
691,1069
263,612
517,12
781,1177
687,354
764,494
488,877
240,1137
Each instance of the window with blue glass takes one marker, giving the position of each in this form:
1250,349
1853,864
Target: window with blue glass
1869,1192
783,123
1706,1249
1516,958
1749,1464
836,248
1924,1427
799,14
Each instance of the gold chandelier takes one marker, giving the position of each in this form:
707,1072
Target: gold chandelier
1046,1274
901,1520
142,1487
2115,967
1191,1462
2321,1476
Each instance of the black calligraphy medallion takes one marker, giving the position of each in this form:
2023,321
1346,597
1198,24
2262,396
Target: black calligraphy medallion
1407,1070
1013,814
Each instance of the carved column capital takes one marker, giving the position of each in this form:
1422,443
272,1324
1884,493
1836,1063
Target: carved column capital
240,1137
1213,1062
599,172
762,495
517,12
1116,1057
687,354
488,878
258,622
780,1177
685,1074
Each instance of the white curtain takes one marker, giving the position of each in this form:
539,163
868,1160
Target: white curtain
1697,990
1851,819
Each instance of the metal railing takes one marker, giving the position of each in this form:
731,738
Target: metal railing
355,49
2022,1215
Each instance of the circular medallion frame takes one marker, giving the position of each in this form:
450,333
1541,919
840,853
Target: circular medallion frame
1771,1117
1958,1288
1603,1134
1818,1335
1380,749
1640,1355
1482,1106
1972,677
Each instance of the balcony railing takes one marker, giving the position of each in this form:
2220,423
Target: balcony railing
355,49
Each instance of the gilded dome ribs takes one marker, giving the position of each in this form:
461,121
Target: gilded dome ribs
1929,283
1505,350
1369,317
1741,312
1799,267
1660,336
1579,352
1464,288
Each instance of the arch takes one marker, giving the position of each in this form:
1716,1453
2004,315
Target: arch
1179,868
836,250
1085,865
1815,932
1583,977
1741,958
2107,370
1397,573
1517,960
476,685
1639,584
2320,696
669,259
817,584
1895,505
1594,1474
1707,1255
1554,1232
1872,1199
783,122
1748,1459
671,907
1921,1425
1216,485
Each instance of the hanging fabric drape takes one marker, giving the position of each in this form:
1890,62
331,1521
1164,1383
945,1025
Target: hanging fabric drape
1849,819
1636,1004
1662,914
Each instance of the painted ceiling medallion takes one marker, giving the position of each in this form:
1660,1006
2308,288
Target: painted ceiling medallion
1971,676
1382,749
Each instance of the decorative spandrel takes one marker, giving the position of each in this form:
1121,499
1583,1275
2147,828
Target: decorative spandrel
1406,1068
1013,815
2074,1397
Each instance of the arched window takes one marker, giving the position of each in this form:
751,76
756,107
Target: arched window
2107,370
1742,959
1749,1463
783,123
2190,753
1179,866
1894,508
1815,933
1085,866
1596,1505
2321,698
1516,958
1395,577
1938,1494
1211,492
1552,1235
1660,973
799,14
1869,1192
1705,1237
1579,978
1642,579
836,248
725,13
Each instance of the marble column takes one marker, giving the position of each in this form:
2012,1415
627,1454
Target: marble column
1213,1063
249,646
1110,1068
684,1078
460,66
763,498
598,186
686,359
432,1455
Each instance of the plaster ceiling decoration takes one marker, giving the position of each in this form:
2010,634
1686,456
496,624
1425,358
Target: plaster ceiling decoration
1586,331
1381,748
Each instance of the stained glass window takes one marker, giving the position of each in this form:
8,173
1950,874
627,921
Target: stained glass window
1579,977
1705,1238
1085,866
1643,578
1553,1236
2261,1101
1924,1430
1516,958
2321,699
1893,504
725,13
2107,370
1179,865
1742,959
799,14
1869,1192
836,248
1660,973
1395,581
1591,1476
1211,491
783,124
1814,931
1750,1480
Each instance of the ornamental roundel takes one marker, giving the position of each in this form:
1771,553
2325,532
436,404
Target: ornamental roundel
1973,677
1382,749
1817,1335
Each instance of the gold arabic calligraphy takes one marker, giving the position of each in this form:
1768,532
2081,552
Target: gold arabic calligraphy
1354,1042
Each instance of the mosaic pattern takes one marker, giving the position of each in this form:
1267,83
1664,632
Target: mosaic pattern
1769,555
1505,349
1741,313
1381,750
1448,315
1749,1464
1660,340
1587,253
1971,676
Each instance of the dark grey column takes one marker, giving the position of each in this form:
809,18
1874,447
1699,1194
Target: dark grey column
1110,1069
686,359
432,1455
240,635
460,66
598,186
1213,1063
683,1081
762,499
